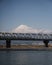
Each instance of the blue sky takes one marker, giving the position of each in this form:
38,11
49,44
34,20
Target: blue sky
33,13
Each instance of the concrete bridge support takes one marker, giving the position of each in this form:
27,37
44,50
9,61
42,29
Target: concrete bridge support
8,43
46,43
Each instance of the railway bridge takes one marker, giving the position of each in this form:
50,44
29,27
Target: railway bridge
25,36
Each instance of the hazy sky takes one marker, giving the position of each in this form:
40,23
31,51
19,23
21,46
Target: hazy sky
34,13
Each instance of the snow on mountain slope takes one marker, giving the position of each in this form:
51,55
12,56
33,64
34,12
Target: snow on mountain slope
27,29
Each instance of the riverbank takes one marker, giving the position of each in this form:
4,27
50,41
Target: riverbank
26,48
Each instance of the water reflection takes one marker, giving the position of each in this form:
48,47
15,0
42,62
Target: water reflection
25,57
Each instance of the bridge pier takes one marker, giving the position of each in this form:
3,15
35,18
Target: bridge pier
46,43
8,43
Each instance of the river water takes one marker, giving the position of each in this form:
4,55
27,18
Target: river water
25,57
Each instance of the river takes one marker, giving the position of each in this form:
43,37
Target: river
25,57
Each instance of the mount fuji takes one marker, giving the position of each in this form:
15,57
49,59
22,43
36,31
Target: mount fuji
27,29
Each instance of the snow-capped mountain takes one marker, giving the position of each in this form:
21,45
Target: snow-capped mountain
27,29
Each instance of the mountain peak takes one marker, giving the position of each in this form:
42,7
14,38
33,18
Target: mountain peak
27,29
23,27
